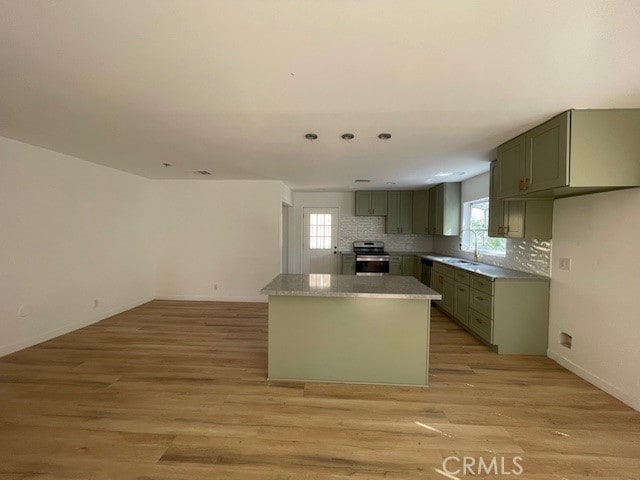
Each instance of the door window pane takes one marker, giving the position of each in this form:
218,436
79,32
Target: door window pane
320,231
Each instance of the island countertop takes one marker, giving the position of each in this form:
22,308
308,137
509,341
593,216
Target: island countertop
321,285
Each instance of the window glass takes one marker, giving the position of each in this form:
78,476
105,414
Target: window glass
320,231
475,223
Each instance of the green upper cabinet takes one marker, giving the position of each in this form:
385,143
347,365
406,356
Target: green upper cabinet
531,218
420,211
371,203
495,205
511,168
576,152
547,155
444,209
399,212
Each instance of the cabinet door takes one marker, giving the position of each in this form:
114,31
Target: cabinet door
448,295
406,212
420,211
461,303
407,265
514,211
363,203
511,166
433,209
395,265
417,267
547,155
379,203
348,264
495,205
451,201
393,212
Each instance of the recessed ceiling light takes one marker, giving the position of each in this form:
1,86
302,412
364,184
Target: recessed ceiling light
442,174
311,136
362,180
202,172
348,136
166,164
384,136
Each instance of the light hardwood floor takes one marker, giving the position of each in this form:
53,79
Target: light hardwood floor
177,390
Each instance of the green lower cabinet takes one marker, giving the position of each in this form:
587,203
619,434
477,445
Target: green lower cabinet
509,314
461,303
348,264
417,267
407,265
395,265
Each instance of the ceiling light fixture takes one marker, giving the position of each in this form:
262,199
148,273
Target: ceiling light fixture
348,136
384,136
442,174
311,136
362,180
202,172
166,164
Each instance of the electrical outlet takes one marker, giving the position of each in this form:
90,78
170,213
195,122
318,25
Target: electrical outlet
96,303
565,264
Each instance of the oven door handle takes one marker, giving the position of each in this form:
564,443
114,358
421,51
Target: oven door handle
371,258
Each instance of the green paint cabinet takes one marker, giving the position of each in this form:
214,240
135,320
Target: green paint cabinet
371,203
576,152
417,267
420,211
395,265
510,314
407,265
399,212
444,209
348,261
531,218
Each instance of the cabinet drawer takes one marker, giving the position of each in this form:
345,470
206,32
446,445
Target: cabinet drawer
395,258
461,277
481,302
481,325
443,269
482,284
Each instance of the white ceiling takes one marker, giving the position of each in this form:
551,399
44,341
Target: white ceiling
232,86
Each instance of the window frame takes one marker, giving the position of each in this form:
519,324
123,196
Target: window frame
467,242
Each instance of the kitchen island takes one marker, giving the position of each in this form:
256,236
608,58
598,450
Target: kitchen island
349,328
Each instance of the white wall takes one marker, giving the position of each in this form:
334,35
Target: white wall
217,232
597,301
475,188
71,232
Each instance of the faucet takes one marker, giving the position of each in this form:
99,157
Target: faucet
476,255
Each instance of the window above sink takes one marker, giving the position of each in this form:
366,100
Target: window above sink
475,218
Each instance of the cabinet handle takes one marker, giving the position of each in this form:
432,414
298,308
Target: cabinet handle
461,289
480,299
526,183
521,185
479,320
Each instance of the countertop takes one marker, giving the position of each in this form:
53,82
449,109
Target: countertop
484,269
320,285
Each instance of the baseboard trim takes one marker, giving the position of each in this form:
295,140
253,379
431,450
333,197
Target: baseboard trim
70,327
612,390
207,298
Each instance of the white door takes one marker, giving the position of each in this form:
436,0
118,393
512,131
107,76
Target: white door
320,244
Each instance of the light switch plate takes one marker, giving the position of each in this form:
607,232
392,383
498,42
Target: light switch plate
565,264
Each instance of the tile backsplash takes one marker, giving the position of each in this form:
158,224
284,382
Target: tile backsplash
354,228
533,256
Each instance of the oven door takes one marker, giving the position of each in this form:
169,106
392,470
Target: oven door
372,265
